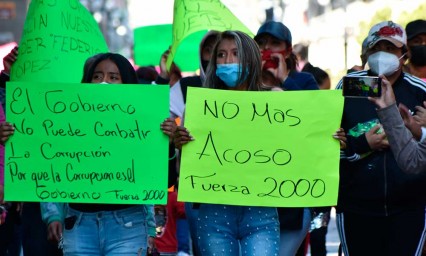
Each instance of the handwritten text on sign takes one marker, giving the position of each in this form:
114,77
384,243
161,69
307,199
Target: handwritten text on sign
87,143
261,148
56,35
192,16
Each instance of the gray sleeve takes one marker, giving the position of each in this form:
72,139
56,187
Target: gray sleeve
409,154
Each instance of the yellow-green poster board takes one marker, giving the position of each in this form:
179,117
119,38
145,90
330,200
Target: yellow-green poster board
191,16
94,143
261,148
57,38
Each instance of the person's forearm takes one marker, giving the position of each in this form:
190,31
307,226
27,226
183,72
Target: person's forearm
410,155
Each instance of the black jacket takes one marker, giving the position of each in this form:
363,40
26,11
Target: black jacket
371,183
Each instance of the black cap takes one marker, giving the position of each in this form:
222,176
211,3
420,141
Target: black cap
276,29
415,28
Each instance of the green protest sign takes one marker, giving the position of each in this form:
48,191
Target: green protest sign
97,143
261,148
152,41
57,39
191,16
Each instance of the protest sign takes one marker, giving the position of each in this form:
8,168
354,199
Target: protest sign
261,148
192,16
57,39
87,143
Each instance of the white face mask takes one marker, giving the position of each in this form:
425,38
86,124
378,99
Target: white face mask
383,63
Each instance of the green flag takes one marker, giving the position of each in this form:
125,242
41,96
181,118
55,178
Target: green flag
151,42
57,39
192,16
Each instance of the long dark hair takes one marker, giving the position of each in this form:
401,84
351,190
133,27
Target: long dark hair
127,72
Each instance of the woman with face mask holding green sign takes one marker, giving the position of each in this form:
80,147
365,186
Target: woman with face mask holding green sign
103,229
228,229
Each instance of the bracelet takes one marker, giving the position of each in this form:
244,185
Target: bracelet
174,156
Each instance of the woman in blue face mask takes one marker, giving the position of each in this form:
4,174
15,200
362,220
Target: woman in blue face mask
236,63
228,229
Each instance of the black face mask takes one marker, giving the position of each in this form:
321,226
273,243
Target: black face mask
204,64
418,55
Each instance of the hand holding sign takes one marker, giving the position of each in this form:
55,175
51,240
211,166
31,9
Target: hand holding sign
6,130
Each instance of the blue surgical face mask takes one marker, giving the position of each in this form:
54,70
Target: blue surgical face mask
229,73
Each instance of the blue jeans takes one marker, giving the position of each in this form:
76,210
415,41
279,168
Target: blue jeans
238,230
182,235
121,232
292,239
191,217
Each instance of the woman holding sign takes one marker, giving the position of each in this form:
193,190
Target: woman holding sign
230,229
127,228
103,229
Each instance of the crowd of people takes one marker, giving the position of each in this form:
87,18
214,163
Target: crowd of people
381,204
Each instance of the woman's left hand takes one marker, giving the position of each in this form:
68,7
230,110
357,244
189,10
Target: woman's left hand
340,135
410,121
420,115
169,127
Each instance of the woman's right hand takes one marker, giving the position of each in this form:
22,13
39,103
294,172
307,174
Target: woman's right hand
6,130
387,98
376,138
340,135
182,137
54,231
281,71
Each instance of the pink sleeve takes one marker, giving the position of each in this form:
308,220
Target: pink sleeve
2,119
